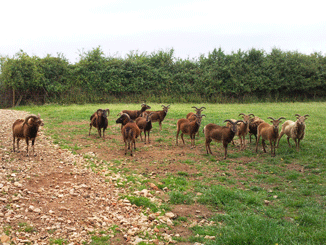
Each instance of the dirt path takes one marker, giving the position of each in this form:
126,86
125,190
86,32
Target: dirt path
53,196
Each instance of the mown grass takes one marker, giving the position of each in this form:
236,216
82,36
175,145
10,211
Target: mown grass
260,199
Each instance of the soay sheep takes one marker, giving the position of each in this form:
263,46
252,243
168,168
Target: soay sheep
130,132
190,128
191,116
294,130
145,125
243,129
26,129
133,114
158,116
253,126
222,134
99,120
270,133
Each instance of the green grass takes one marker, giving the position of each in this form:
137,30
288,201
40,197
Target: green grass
258,199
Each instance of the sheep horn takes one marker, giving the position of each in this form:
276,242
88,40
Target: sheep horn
119,114
306,115
228,120
251,114
241,114
270,118
126,115
238,121
201,108
27,118
297,115
280,118
195,107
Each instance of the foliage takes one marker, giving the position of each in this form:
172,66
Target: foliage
159,76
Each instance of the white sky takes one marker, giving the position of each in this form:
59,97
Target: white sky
191,27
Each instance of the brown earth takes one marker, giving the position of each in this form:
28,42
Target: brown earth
55,196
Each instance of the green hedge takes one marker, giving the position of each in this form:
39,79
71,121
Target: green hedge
252,75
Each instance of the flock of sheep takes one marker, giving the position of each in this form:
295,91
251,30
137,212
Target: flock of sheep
134,122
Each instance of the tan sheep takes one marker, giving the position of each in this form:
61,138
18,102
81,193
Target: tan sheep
294,130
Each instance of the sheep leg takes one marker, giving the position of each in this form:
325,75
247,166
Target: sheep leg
141,137
27,146
160,123
182,138
148,137
18,145
99,132
297,143
279,137
132,143
241,143
264,145
13,144
177,137
192,140
257,143
225,145
288,138
145,136
90,127
125,147
33,140
272,148
208,146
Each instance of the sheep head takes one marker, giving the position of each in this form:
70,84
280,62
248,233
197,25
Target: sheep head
199,110
124,117
276,122
234,124
199,118
33,120
301,119
246,118
166,108
144,106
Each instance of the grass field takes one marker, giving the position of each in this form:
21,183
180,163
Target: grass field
254,198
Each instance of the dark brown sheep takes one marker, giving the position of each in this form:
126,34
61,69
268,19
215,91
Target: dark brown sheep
222,134
26,129
99,120
158,116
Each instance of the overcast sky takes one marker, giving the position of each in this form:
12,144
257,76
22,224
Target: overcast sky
190,27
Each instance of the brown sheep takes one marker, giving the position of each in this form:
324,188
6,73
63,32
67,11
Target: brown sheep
222,134
253,126
243,129
158,116
100,121
190,128
145,125
130,132
137,113
26,129
270,133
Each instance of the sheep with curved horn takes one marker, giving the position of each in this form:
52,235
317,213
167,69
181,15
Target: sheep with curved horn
270,133
26,129
294,130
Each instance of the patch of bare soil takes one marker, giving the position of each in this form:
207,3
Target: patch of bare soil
54,196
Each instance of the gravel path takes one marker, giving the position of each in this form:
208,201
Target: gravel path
54,196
